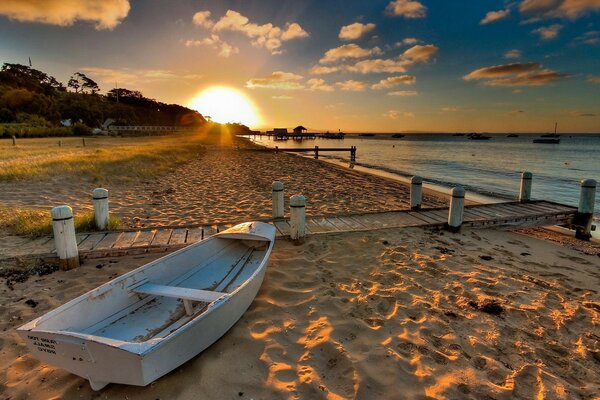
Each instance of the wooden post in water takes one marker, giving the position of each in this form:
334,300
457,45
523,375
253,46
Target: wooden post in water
585,211
60,143
64,237
100,200
525,191
14,140
353,154
297,217
83,142
316,152
416,192
277,197
457,205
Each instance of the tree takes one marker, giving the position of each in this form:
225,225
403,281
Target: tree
81,81
74,84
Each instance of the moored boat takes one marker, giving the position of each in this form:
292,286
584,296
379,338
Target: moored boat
478,136
138,327
549,138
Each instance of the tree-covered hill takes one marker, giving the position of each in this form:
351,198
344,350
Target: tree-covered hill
33,103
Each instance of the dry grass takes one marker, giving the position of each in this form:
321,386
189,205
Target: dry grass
35,223
102,159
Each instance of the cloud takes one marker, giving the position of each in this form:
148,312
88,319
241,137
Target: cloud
355,31
267,35
419,54
106,14
548,32
516,112
494,16
590,37
352,85
225,49
519,74
277,80
403,93
450,109
594,79
513,54
377,66
128,77
394,81
406,9
202,18
394,114
319,85
347,51
581,114
543,9
323,70
406,41
282,97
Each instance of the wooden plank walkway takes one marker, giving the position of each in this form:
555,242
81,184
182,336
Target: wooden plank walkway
512,215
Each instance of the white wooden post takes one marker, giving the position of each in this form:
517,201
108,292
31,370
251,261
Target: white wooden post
100,200
457,204
64,237
525,191
277,197
297,217
585,211
416,192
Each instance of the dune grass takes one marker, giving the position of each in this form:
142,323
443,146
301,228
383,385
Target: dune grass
103,159
36,223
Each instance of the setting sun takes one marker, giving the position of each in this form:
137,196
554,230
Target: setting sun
223,104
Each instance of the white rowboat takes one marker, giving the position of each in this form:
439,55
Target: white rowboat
138,327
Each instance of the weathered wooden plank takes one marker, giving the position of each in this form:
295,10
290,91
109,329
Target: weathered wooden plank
91,241
435,216
376,221
314,227
442,214
472,216
80,237
282,226
405,219
352,223
194,235
144,238
178,237
323,224
507,210
107,241
339,224
366,222
426,220
161,238
125,240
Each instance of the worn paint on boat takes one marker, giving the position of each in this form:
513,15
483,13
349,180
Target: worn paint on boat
138,327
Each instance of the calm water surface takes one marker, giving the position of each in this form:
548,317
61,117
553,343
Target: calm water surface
489,167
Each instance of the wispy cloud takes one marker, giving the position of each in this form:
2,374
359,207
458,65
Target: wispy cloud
518,74
572,9
407,41
355,31
590,37
403,93
131,77
352,85
494,16
511,54
319,85
516,112
347,51
395,114
225,49
548,32
282,97
451,109
105,14
594,79
581,114
266,35
394,81
277,80
406,9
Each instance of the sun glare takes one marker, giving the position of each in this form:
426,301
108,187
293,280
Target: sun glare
223,104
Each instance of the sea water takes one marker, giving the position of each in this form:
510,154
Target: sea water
490,167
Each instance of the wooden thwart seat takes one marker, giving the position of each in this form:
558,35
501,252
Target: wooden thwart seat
185,294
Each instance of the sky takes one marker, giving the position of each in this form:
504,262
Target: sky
353,65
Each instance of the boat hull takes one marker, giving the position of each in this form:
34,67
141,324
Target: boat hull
104,360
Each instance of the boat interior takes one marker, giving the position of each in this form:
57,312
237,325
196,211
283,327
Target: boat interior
160,297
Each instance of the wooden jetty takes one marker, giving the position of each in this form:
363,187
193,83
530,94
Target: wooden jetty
118,243
316,150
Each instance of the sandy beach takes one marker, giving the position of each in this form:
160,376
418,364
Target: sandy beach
397,314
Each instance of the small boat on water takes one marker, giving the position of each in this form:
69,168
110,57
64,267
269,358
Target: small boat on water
397,136
478,136
139,326
549,138
512,135
366,134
